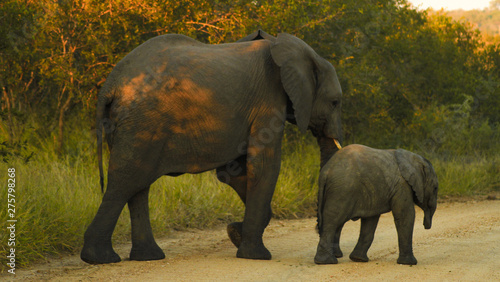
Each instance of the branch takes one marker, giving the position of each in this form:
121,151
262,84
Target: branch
204,25
317,21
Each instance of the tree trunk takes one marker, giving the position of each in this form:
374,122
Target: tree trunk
10,124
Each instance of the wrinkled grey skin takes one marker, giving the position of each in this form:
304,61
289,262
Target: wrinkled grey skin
362,182
175,105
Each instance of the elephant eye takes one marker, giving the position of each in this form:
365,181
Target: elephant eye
335,104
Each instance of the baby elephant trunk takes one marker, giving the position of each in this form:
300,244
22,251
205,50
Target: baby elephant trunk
428,218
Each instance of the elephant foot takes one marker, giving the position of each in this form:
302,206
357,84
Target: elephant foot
407,259
234,231
152,252
99,255
325,256
337,252
253,251
358,257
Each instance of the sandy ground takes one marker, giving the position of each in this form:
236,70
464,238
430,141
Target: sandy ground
463,245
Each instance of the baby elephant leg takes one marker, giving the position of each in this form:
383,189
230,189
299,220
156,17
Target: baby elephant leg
336,242
366,235
324,252
328,247
404,218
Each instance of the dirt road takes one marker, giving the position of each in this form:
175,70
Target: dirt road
463,245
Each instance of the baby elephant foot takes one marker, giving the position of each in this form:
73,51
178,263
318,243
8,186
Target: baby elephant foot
407,259
234,231
358,257
325,256
151,252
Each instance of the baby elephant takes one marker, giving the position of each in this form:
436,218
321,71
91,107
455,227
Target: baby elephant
362,182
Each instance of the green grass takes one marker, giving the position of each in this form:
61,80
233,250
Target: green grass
54,202
468,176
57,198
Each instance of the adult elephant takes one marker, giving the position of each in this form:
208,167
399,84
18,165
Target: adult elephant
174,105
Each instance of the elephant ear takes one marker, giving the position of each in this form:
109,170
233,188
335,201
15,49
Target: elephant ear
297,62
411,167
258,35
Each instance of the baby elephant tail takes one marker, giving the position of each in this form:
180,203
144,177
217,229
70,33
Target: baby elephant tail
320,204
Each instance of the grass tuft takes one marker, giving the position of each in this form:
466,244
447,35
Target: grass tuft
468,176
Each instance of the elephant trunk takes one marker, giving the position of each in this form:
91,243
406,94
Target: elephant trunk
328,148
428,218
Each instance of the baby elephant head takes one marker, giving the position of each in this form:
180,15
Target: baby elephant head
420,175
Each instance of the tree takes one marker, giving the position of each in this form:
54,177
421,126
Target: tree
395,63
495,4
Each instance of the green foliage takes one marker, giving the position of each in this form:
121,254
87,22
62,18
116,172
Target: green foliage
54,202
399,62
451,130
467,176
394,62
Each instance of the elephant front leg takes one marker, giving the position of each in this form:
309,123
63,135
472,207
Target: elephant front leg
144,246
404,218
366,235
257,217
263,165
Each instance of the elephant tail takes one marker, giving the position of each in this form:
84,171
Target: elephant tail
99,156
103,124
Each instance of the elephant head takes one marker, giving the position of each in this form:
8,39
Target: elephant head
420,175
312,87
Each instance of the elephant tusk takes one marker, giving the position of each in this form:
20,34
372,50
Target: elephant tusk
337,143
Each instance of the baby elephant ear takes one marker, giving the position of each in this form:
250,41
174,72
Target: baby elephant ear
411,167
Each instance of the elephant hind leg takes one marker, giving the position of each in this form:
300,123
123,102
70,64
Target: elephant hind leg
234,175
144,246
328,249
234,231
97,247
123,186
366,235
325,252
